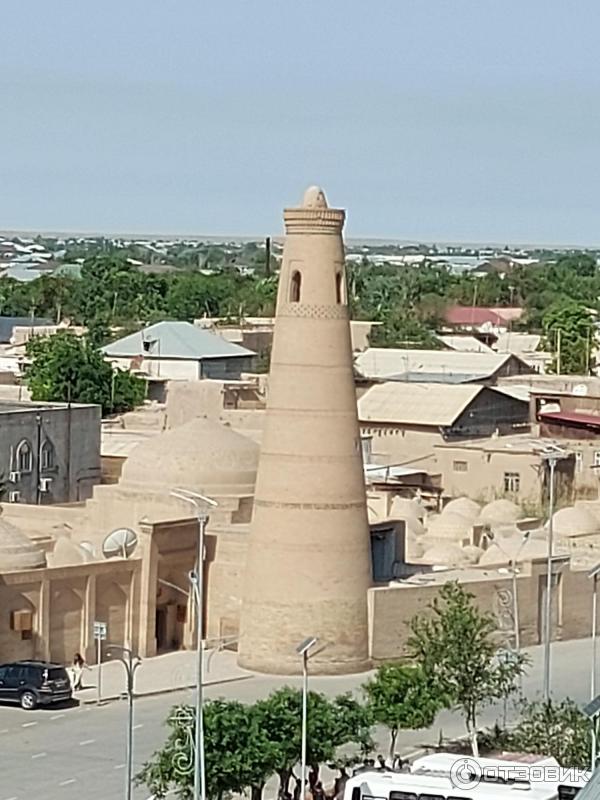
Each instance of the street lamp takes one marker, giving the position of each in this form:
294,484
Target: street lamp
303,650
552,455
197,581
131,662
594,574
514,571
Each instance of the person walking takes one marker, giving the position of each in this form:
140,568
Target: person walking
77,671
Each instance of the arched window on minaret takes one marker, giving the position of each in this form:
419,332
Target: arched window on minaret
339,288
295,287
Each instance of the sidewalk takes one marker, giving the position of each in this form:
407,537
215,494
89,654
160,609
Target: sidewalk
170,672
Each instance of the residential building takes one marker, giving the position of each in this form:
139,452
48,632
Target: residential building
437,366
50,452
407,420
179,351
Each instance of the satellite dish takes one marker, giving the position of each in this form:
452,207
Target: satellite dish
120,543
88,547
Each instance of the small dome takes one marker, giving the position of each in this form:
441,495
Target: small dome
575,521
446,554
500,511
448,526
414,527
403,508
17,551
464,506
66,553
472,553
314,197
514,549
201,455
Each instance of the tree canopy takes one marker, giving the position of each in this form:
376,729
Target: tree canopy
455,645
69,368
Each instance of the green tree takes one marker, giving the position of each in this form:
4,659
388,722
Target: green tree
570,335
402,697
68,368
246,744
455,645
555,729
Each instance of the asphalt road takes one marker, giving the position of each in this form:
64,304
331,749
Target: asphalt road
79,752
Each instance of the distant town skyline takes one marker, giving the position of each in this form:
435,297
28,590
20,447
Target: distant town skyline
462,122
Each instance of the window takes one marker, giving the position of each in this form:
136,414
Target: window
578,461
295,287
597,458
24,457
47,455
339,288
460,466
512,482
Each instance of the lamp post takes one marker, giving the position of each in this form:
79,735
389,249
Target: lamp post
197,581
594,574
551,455
303,650
131,662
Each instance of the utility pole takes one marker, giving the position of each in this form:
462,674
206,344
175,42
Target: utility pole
558,360
268,256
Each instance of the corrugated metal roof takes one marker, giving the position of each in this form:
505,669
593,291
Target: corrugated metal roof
465,344
416,403
175,340
382,362
573,417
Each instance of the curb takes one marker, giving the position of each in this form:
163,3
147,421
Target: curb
167,690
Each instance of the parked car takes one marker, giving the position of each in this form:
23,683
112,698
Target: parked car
34,683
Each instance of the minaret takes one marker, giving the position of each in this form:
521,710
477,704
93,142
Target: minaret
309,567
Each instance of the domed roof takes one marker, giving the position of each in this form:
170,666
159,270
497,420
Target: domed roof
447,554
463,505
17,551
572,521
502,510
448,526
67,552
472,553
403,508
514,548
200,455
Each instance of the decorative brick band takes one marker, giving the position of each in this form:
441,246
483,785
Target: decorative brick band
310,506
312,311
314,220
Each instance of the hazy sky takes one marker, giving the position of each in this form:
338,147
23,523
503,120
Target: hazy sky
426,119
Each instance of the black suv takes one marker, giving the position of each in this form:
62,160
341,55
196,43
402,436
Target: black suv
34,683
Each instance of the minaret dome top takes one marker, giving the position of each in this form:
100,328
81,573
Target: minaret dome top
314,197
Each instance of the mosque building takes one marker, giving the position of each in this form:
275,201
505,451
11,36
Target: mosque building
297,545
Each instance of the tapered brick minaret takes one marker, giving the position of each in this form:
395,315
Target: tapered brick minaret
308,567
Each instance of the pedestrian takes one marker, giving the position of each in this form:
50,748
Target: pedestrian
77,671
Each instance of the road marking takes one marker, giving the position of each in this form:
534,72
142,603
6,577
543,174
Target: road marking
57,716
5,730
119,766
86,741
67,782
140,725
11,798
39,755
28,724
